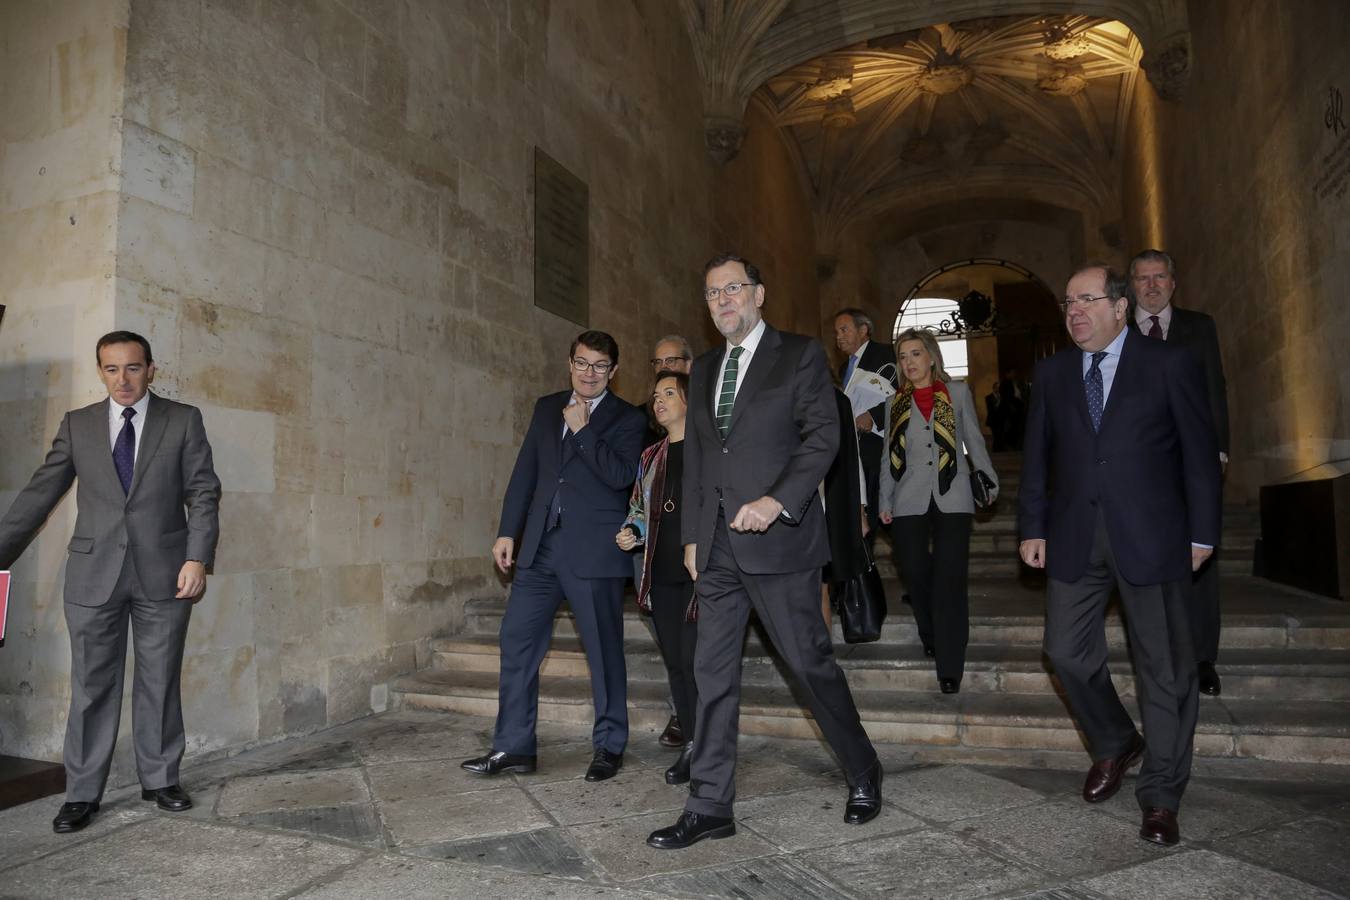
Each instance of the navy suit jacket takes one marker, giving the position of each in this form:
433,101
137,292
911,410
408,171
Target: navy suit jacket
1196,332
591,473
1153,467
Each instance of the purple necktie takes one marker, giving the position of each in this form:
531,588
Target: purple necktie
1155,330
1096,393
124,451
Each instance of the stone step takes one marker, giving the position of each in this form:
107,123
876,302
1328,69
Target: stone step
1257,615
1003,561
1247,674
1299,731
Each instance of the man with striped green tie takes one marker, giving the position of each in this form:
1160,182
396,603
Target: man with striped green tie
761,432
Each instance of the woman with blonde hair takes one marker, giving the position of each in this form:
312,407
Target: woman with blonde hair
926,499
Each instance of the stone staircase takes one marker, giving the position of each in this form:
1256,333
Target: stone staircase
1285,665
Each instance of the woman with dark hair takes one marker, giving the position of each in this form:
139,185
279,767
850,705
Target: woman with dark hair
666,591
931,425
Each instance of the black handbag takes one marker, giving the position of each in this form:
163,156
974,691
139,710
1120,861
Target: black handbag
981,488
861,601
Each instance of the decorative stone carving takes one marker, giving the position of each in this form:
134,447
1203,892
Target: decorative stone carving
945,78
839,113
1062,44
836,79
723,138
1169,66
1061,80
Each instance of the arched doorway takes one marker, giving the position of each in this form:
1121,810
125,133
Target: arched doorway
993,317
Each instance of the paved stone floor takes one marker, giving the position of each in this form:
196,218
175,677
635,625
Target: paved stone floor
380,808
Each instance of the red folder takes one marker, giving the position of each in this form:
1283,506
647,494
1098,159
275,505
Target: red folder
4,603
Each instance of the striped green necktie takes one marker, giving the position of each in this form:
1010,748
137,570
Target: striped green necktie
727,398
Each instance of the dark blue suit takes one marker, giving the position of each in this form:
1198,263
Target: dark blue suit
566,500
1120,508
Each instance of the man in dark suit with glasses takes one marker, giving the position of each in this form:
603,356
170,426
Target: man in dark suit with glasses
1120,490
570,483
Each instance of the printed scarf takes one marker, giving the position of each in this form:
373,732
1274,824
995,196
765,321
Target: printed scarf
944,432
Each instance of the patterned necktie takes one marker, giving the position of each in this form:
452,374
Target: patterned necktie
727,398
124,451
1096,395
1155,330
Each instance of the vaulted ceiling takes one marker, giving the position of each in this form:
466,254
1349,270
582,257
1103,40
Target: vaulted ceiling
909,104
1012,103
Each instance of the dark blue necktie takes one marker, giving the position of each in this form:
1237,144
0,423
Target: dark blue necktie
1096,394
124,451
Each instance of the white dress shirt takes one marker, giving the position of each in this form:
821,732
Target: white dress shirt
591,405
750,345
1144,318
1107,366
115,420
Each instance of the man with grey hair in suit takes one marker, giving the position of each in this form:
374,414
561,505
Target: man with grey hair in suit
145,533
1153,282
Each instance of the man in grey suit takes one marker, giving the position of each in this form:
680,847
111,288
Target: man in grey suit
762,431
1153,281
145,533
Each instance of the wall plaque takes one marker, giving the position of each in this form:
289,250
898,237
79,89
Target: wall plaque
561,241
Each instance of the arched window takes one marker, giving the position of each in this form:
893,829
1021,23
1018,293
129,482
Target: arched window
929,312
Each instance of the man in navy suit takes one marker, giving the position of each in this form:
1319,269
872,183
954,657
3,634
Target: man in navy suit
853,336
1120,488
1153,281
569,487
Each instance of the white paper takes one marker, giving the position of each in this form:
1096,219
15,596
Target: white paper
865,390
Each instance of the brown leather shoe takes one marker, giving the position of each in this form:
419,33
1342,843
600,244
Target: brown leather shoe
1103,779
1160,826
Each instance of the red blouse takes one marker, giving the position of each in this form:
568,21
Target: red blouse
923,398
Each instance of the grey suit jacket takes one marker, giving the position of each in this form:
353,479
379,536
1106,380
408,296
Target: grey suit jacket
910,495
784,435
168,517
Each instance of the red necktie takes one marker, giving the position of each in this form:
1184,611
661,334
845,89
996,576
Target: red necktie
1155,330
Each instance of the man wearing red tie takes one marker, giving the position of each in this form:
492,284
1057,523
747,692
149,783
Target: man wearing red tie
1153,281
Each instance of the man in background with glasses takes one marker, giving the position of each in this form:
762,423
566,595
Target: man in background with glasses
761,433
567,494
1153,281
1120,489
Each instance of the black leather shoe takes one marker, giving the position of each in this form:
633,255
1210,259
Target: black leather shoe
73,817
604,765
1103,779
679,773
949,685
1160,826
170,799
1209,679
864,798
673,736
690,829
497,762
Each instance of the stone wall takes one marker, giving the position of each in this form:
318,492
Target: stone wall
324,225
764,214
61,81
1233,181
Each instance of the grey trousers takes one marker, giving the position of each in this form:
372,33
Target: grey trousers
788,606
98,652
1157,618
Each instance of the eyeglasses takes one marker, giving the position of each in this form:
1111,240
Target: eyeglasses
1082,300
599,368
731,290
668,362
